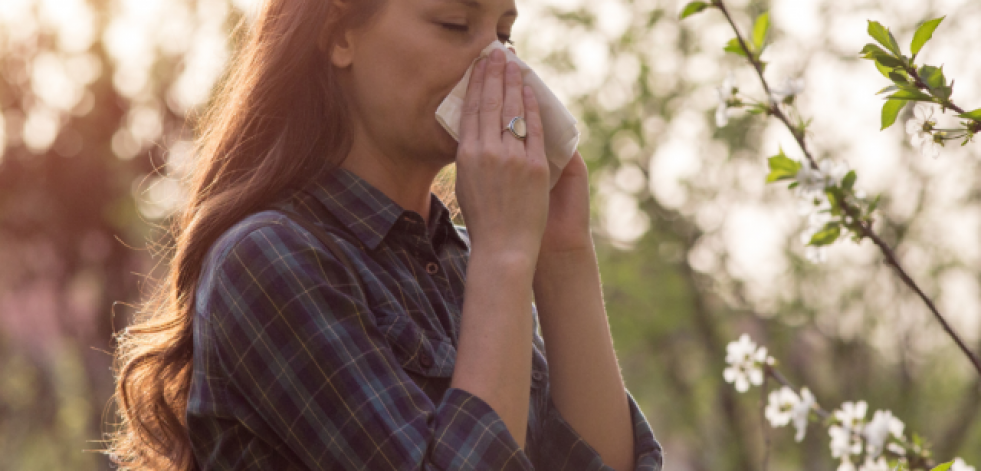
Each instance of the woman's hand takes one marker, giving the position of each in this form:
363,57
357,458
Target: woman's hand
502,181
567,229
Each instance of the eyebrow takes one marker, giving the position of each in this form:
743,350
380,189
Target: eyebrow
476,5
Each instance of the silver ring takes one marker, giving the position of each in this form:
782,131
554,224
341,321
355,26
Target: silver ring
518,128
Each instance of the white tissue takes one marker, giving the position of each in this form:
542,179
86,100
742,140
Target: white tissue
561,134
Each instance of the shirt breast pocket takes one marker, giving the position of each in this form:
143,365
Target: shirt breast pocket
426,358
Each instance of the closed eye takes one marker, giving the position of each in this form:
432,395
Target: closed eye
505,38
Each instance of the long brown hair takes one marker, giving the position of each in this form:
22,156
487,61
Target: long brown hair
276,120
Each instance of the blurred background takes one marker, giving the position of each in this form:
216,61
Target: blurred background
96,97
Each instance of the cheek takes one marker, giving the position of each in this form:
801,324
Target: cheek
406,74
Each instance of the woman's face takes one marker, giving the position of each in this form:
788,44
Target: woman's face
397,69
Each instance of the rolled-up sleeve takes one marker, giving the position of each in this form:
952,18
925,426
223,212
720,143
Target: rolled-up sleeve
564,449
296,340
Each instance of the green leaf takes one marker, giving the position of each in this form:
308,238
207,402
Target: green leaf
885,71
782,168
933,77
874,204
884,37
827,235
888,61
692,8
912,95
793,185
760,30
890,111
945,92
888,89
734,47
897,77
849,181
871,50
923,34
943,467
833,197
975,115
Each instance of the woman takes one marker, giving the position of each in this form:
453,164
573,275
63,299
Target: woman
265,351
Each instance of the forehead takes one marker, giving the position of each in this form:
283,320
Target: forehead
506,7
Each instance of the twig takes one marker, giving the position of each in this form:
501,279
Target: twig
866,228
758,66
919,83
766,430
892,260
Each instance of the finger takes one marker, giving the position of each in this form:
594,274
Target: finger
470,114
535,142
492,100
513,107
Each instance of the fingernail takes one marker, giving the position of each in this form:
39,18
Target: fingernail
497,56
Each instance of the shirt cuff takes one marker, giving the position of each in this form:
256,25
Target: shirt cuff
565,449
470,435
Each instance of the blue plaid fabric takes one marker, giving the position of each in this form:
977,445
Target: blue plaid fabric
295,367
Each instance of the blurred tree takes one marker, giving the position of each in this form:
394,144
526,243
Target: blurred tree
94,97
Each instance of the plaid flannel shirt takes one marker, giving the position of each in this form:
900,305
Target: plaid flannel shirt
296,368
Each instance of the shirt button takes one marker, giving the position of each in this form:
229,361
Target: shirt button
432,268
537,375
425,360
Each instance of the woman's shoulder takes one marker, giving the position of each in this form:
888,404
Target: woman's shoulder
253,225
258,241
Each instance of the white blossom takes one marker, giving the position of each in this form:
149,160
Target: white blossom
834,172
896,448
846,465
745,363
852,415
811,184
727,94
846,435
801,412
790,88
879,429
920,128
960,465
931,147
819,217
816,255
843,442
780,408
811,181
874,465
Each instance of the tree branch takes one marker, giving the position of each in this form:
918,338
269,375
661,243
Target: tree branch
866,228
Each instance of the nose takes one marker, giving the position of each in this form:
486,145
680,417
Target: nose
483,39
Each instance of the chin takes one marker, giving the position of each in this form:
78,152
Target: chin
446,145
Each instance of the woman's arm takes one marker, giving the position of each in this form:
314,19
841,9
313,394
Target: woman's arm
311,373
593,422
585,380
502,188
493,359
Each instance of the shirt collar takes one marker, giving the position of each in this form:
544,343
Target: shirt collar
368,212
